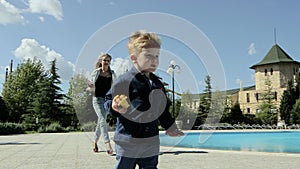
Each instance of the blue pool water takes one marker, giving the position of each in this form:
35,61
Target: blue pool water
281,141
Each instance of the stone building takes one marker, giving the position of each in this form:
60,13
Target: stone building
278,68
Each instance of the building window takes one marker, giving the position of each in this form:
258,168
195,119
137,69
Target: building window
257,96
248,97
273,111
271,71
248,110
266,72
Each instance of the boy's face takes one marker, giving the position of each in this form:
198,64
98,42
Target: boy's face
147,60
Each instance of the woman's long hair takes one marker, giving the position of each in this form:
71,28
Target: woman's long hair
99,61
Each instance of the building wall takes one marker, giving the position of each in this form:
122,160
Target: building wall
261,74
279,75
249,103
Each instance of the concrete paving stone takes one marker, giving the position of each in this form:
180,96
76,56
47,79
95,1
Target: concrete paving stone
74,151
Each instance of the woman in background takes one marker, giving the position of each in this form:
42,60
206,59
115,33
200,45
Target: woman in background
101,80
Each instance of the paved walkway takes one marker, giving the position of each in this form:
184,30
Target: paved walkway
74,151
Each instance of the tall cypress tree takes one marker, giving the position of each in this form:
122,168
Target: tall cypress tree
205,103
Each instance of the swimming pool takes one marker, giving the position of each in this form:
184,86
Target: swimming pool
261,141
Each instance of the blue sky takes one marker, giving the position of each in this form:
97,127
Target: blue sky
241,32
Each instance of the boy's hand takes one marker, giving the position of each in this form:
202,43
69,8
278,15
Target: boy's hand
175,133
120,104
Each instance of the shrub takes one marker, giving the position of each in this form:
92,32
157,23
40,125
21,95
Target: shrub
30,127
52,128
11,128
90,126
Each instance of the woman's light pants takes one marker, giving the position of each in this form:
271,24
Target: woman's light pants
101,127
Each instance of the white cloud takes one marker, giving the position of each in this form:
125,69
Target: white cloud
251,49
9,14
120,65
50,7
42,19
30,48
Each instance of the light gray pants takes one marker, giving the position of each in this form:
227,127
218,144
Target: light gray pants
101,127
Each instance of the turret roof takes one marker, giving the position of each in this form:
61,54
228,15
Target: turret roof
275,55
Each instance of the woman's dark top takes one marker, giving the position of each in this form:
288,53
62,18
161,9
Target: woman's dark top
102,86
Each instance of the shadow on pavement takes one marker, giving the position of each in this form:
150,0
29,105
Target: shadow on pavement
181,152
16,143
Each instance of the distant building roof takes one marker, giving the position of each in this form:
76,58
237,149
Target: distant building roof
249,88
228,92
275,55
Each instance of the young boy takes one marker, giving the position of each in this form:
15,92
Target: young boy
139,102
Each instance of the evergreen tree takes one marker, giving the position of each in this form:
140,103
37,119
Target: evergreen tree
267,115
205,103
57,104
235,115
295,113
297,87
3,111
287,102
41,104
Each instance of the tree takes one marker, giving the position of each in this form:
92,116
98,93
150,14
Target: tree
205,103
187,99
235,115
187,116
287,102
3,111
20,88
57,98
267,114
216,110
289,98
295,113
49,104
81,100
187,113
40,107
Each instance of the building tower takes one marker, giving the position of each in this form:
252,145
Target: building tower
279,68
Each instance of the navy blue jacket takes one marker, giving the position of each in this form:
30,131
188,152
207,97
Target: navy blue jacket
148,109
